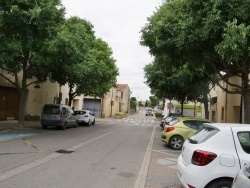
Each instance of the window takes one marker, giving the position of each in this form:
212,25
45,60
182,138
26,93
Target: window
190,124
64,111
202,135
244,138
51,110
173,121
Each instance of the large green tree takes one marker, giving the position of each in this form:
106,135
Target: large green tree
212,37
219,32
25,27
81,60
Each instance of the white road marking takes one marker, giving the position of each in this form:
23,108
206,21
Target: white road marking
18,170
142,176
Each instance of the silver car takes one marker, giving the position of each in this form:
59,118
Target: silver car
149,112
242,180
58,115
85,117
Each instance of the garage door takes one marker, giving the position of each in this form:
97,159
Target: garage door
93,105
9,103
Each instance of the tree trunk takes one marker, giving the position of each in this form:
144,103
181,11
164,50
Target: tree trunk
70,95
182,106
22,104
206,109
246,109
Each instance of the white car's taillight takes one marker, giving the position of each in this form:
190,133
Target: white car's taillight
202,158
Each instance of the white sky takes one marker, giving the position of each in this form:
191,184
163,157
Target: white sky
118,22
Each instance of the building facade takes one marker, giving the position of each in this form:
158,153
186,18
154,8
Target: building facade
116,100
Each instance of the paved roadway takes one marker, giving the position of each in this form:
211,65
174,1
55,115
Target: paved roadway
124,153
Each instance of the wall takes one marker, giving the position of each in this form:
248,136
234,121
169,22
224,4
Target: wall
228,105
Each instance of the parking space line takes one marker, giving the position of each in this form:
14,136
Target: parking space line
142,176
160,151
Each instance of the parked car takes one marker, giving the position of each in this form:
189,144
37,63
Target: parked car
213,156
58,115
242,180
85,117
149,112
167,118
179,129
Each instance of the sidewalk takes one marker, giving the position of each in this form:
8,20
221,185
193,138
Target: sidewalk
13,124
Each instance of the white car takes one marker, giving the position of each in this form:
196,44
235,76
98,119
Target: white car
213,156
85,117
242,180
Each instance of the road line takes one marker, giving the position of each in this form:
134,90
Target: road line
142,176
18,170
159,151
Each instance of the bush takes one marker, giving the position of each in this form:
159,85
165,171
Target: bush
120,115
158,115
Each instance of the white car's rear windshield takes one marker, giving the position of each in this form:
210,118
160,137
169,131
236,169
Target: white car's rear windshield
202,135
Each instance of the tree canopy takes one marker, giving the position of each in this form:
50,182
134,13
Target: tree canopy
206,41
38,43
25,28
79,59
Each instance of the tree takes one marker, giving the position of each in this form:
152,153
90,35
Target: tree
133,99
84,62
212,36
219,31
153,101
25,27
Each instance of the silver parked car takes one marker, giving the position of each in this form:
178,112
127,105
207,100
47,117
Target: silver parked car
85,117
242,180
58,115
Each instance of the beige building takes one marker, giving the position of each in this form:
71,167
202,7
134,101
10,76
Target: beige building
116,100
225,107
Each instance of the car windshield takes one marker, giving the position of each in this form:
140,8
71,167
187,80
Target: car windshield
80,112
51,110
173,121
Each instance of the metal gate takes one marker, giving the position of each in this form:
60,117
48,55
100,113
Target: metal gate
93,105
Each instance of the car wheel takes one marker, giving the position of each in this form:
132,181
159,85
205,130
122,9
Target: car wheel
88,124
44,126
225,183
76,125
176,142
93,122
64,127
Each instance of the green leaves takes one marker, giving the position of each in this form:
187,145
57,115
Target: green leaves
235,42
79,59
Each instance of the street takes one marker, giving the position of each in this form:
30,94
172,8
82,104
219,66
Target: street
124,153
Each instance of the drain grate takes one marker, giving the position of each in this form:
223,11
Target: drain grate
64,151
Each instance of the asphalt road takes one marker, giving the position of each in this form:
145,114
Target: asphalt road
122,153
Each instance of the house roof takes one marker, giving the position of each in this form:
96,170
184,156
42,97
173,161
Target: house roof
122,87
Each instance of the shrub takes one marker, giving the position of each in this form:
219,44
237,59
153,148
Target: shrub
158,115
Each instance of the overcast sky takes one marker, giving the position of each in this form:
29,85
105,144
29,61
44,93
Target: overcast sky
118,22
